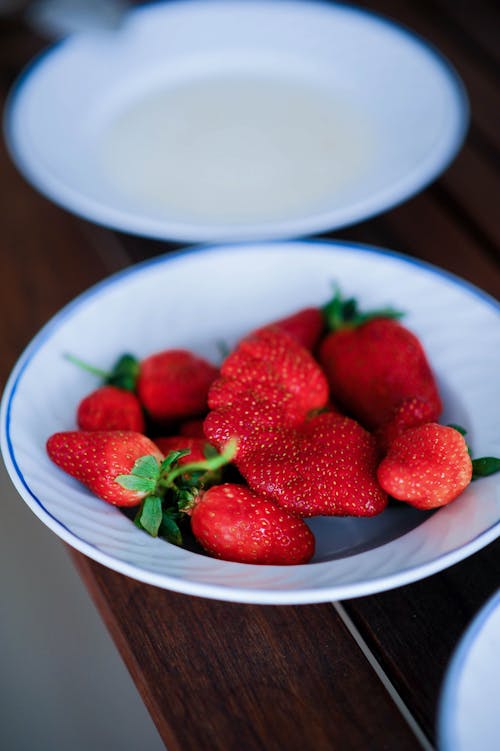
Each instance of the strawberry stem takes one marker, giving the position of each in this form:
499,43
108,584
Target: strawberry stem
207,465
85,366
171,488
123,374
484,466
340,313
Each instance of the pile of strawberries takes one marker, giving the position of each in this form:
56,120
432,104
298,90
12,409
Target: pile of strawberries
326,412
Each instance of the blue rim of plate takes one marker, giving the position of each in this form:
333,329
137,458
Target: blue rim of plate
447,711
219,591
386,198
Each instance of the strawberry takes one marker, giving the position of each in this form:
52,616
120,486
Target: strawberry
233,523
327,466
127,469
268,380
410,414
110,408
172,384
324,464
305,326
97,458
192,429
195,447
373,364
271,359
427,466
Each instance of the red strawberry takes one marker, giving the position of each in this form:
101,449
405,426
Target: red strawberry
192,429
196,447
233,523
410,414
97,458
270,358
326,467
269,380
170,385
427,466
174,384
374,367
305,326
242,413
311,466
110,408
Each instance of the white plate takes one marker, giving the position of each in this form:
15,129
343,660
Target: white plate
468,716
195,299
300,117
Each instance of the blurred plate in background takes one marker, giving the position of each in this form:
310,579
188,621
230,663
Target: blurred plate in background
205,120
468,719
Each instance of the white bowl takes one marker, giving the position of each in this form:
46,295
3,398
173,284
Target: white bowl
196,298
300,117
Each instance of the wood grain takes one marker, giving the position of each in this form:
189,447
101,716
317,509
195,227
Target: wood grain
413,630
224,677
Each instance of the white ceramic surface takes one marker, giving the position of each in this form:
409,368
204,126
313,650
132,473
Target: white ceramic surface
468,716
196,298
408,103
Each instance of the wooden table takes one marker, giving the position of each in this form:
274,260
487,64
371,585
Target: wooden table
363,674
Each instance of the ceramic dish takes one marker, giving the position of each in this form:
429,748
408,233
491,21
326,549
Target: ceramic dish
210,121
150,307
468,716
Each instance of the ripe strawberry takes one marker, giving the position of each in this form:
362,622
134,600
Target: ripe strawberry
410,414
269,380
110,408
305,326
195,446
97,458
233,523
271,359
373,367
321,465
174,384
192,429
427,466
327,466
170,385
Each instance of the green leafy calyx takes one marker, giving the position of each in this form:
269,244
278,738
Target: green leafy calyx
123,374
170,489
340,313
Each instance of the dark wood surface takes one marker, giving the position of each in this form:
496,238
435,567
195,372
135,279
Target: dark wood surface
214,675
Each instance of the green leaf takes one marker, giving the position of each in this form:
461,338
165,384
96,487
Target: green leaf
146,466
124,373
139,484
150,515
224,348
458,428
209,451
172,458
486,465
207,465
169,529
332,311
340,313
349,309
387,312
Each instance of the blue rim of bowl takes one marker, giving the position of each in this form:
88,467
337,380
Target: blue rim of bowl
386,198
447,712
220,591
